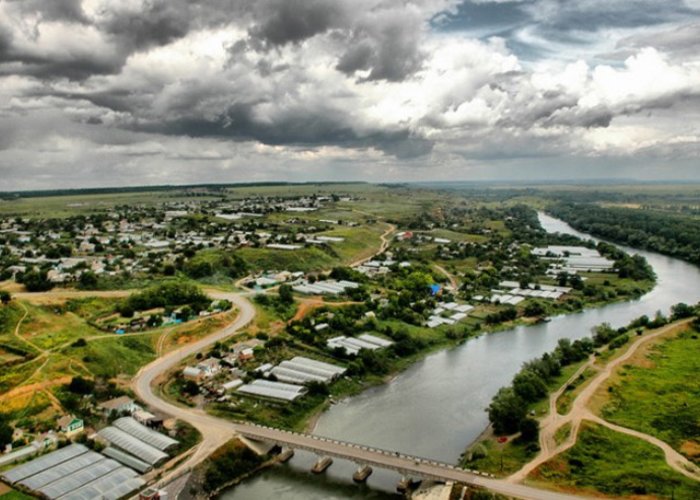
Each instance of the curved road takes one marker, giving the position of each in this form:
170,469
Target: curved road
216,431
580,412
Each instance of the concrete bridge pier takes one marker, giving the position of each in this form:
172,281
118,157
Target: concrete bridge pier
407,483
322,464
362,473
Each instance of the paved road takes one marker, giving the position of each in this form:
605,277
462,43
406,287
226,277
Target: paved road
405,464
216,431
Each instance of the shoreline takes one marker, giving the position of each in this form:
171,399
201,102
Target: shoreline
310,424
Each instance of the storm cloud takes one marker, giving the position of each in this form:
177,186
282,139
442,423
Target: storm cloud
153,90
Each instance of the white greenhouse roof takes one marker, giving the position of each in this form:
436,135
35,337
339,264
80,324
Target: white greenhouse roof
301,360
274,390
44,462
143,433
78,479
125,459
132,445
112,486
61,470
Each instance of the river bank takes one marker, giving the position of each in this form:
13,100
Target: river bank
435,407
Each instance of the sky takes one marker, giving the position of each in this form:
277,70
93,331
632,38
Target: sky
137,92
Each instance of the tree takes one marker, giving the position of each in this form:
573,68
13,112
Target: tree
535,308
80,385
506,411
681,311
190,387
87,281
37,281
285,292
529,386
529,430
5,432
5,297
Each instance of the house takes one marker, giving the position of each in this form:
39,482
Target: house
246,353
122,404
209,367
70,425
192,373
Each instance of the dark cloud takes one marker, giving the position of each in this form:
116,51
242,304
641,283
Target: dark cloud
162,22
296,127
293,21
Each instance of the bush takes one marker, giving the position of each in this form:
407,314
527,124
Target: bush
80,385
529,430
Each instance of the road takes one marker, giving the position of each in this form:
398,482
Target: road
580,412
404,464
382,248
216,431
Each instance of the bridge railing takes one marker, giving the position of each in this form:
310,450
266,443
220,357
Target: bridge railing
395,454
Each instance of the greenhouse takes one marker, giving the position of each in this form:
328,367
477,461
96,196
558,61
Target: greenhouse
79,478
42,463
143,433
132,445
61,470
126,459
112,486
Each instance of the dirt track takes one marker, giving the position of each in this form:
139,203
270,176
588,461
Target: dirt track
580,412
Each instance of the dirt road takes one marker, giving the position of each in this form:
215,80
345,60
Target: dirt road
580,411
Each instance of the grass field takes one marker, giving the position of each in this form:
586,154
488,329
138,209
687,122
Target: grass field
660,394
75,204
615,464
500,459
304,259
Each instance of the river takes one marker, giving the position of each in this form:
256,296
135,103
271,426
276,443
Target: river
436,407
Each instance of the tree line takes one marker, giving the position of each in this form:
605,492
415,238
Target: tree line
671,234
508,411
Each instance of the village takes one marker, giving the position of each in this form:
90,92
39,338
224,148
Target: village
344,300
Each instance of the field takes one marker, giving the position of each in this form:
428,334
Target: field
60,343
303,259
74,204
615,464
659,394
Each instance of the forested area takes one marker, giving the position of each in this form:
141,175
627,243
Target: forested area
670,234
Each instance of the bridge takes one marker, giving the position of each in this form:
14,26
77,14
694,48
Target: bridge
406,465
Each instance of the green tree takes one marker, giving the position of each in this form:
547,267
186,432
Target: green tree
286,295
87,281
37,281
5,432
506,411
5,297
529,386
529,430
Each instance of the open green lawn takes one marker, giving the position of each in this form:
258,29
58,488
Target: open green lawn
662,397
14,495
49,327
615,464
304,259
362,241
500,459
74,204
116,355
